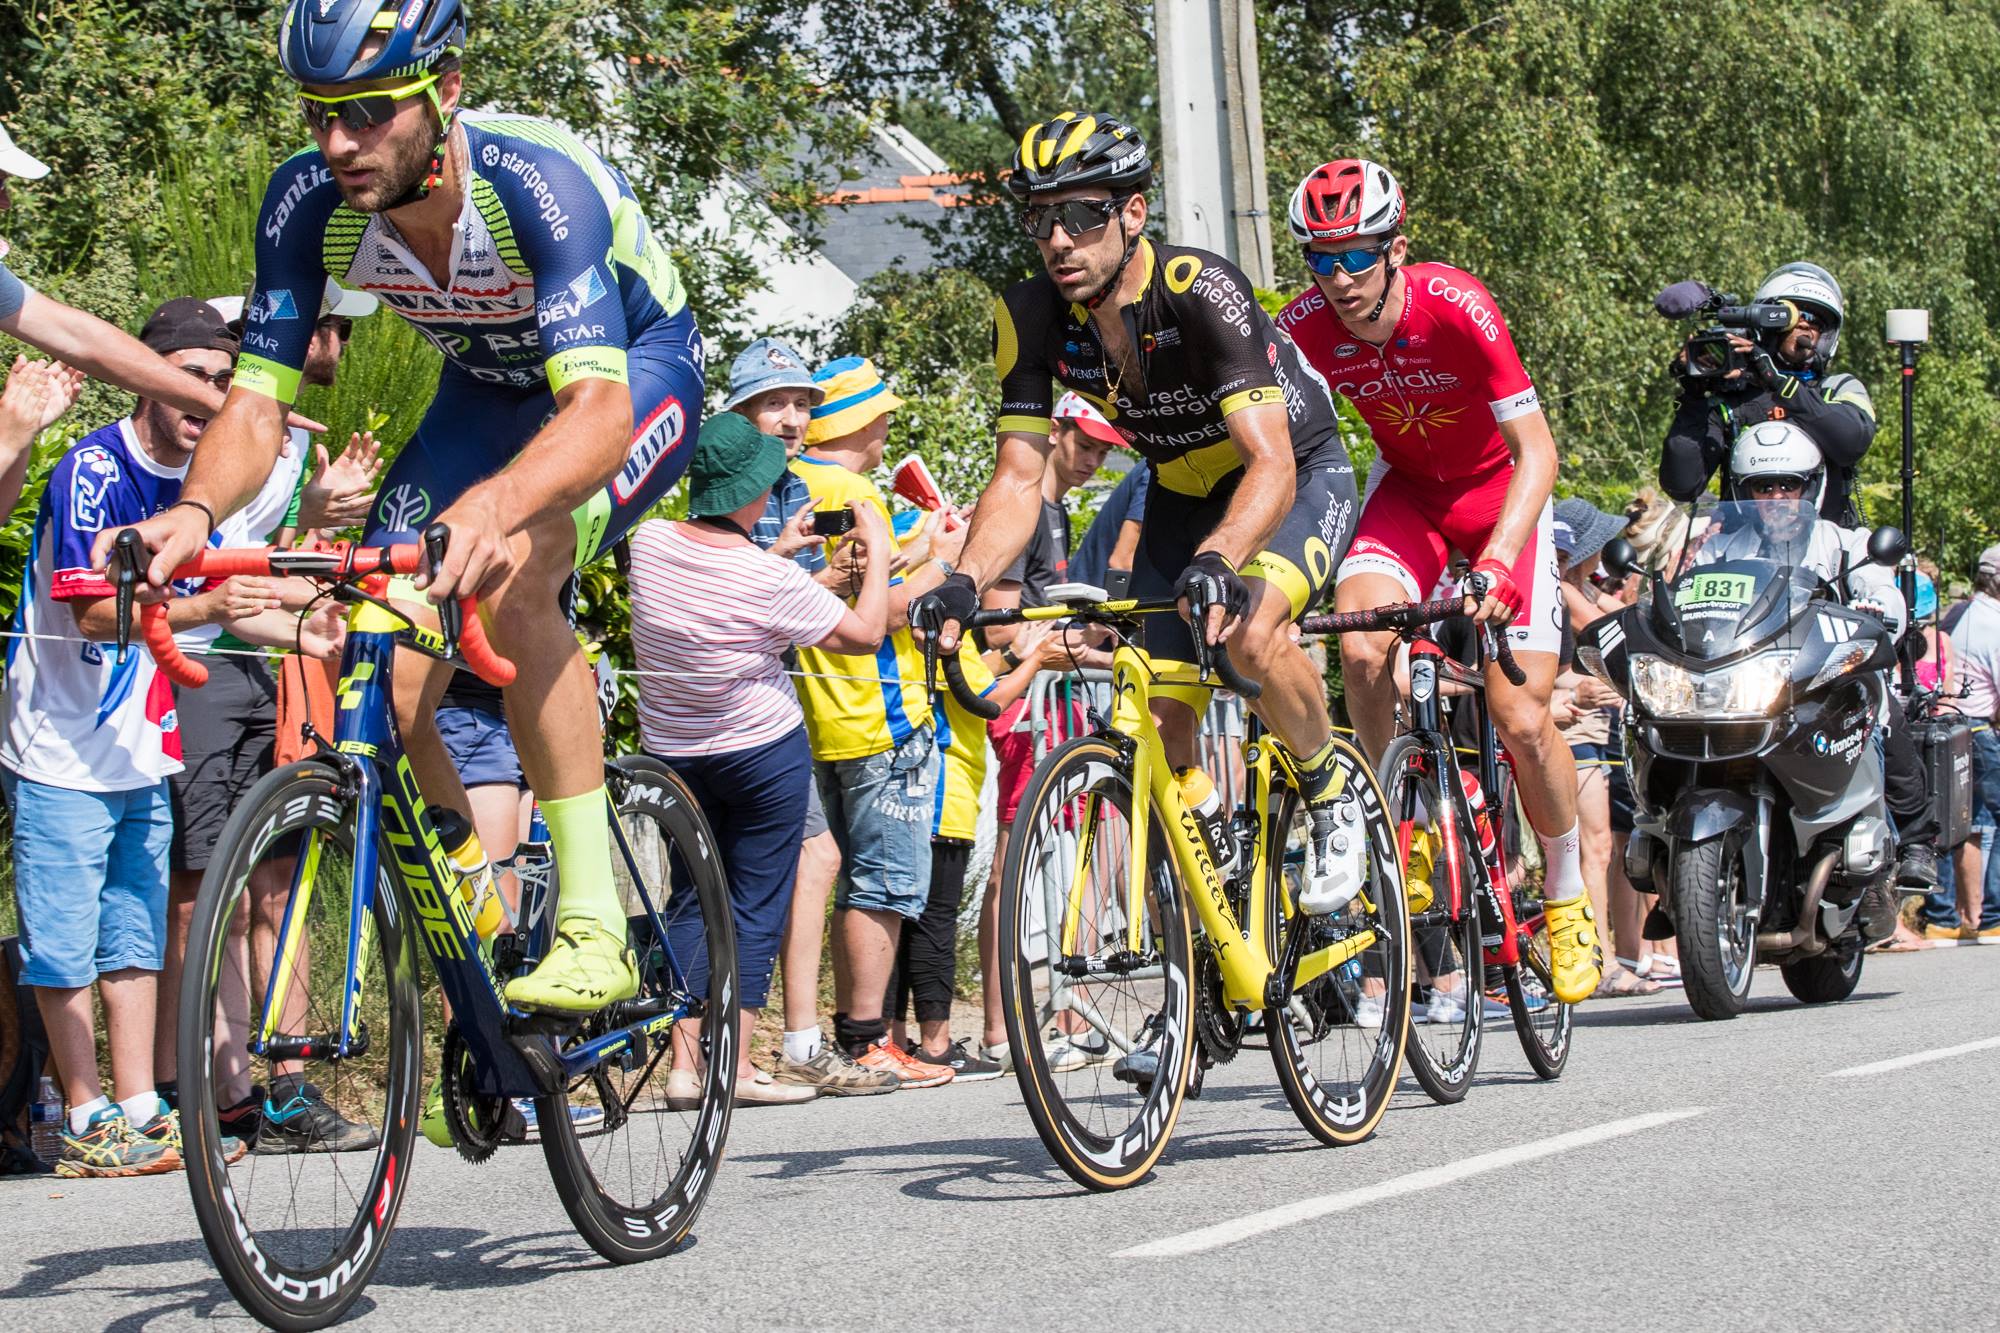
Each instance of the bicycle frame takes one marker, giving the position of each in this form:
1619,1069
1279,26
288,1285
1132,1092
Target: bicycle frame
391,821
1431,667
1244,962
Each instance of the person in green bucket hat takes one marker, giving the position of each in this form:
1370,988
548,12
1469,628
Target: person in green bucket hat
712,616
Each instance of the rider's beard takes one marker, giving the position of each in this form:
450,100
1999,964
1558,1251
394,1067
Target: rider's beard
408,162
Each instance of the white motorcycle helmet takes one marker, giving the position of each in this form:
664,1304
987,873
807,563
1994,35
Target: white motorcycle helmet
1812,287
1777,449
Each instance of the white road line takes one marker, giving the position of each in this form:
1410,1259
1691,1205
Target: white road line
1306,1210
1920,1058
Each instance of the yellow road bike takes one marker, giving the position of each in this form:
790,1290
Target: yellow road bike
1130,961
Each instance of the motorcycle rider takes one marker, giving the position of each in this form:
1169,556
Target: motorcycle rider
1786,380
1776,462
1789,381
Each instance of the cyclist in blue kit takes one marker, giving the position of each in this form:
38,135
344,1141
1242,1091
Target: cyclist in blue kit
569,401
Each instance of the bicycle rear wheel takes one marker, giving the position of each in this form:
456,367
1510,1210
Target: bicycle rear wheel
1543,1023
1338,1041
296,1224
1443,1050
634,1180
1107,976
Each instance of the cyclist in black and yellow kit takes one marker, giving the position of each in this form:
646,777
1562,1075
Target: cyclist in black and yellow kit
1252,498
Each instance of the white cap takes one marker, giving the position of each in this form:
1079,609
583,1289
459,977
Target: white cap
1073,406
337,300
14,162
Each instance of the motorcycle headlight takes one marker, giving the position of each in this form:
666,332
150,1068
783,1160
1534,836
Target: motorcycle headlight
1750,688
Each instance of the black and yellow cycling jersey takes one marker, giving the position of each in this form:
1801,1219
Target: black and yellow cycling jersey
1206,349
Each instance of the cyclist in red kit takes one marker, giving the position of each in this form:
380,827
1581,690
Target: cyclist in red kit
1465,464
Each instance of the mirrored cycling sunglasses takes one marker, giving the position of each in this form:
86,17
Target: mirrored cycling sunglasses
1353,263
1079,217
360,111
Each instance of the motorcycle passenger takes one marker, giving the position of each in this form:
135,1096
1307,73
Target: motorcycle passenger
1776,462
1787,379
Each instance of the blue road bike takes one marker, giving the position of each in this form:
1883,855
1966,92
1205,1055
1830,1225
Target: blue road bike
301,974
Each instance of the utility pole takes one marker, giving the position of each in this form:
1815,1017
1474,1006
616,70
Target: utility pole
1212,128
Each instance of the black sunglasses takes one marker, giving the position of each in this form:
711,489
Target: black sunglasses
340,325
1079,217
220,379
360,111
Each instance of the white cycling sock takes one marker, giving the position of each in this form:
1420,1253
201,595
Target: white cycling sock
140,1110
79,1116
1562,875
803,1045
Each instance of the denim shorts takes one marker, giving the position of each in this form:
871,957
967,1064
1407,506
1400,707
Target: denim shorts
90,879
481,747
879,809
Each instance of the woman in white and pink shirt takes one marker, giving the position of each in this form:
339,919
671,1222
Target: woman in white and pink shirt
712,613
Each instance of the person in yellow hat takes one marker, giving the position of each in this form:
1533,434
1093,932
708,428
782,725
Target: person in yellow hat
874,744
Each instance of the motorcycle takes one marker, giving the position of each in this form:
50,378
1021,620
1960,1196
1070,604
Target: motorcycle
1754,693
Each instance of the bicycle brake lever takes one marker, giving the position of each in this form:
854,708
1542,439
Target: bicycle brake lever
127,564
436,538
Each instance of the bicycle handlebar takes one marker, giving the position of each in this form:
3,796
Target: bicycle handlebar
465,634
1406,617
1209,657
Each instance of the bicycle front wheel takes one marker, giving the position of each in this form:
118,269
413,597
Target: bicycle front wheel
631,1159
1445,1035
1338,1041
1100,1013
298,1216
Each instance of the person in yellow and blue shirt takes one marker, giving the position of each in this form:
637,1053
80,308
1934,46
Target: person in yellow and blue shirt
874,742
927,959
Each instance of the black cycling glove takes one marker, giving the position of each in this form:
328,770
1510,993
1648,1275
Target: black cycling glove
957,598
1210,580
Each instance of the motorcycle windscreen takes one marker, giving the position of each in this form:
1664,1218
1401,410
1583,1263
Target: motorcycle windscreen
1749,577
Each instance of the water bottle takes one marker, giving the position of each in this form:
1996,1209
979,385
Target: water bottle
1475,797
475,875
1198,790
45,1123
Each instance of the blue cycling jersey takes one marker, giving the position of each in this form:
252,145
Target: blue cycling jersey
555,272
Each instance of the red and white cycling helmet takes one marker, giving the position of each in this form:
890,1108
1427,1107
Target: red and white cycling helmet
1350,197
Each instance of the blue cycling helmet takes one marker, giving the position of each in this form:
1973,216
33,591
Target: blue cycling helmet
1926,596
321,40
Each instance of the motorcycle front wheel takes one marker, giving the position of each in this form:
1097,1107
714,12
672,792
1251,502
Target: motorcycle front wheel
1717,933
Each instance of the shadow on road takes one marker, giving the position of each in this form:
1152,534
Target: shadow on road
981,1170
1660,1010
436,1258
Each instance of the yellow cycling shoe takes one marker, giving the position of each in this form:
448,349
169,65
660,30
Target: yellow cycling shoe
432,1122
586,969
1424,847
1576,958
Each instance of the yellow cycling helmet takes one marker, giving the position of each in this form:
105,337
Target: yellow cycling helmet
1078,149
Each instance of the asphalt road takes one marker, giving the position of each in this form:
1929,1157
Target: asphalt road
1754,1174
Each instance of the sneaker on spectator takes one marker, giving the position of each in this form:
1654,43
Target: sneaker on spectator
165,1128
964,1065
908,1070
835,1075
1446,1007
1497,1007
999,1053
305,1123
1141,1065
109,1146
1067,1051
1368,1011
242,1120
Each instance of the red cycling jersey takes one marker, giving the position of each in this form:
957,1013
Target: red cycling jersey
1435,394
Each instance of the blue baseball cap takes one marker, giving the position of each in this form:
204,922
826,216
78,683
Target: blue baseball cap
769,364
